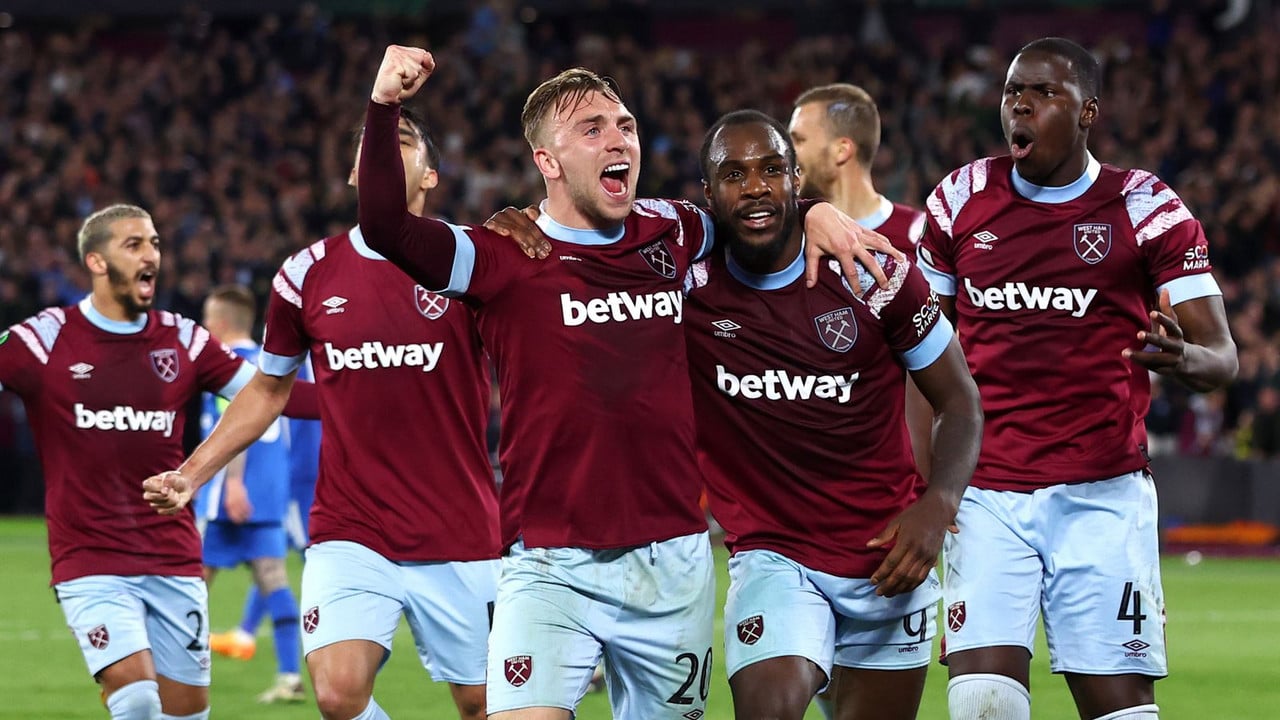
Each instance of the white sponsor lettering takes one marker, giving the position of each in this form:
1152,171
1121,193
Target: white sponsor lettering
1196,258
924,317
374,355
621,307
782,385
1020,296
125,418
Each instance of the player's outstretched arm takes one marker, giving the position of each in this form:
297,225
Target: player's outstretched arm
830,232
917,533
248,416
1192,343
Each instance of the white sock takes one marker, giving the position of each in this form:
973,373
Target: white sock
136,701
825,706
202,715
372,712
989,697
1137,712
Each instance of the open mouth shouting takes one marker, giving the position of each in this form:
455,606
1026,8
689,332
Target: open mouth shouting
147,284
615,180
758,216
1021,140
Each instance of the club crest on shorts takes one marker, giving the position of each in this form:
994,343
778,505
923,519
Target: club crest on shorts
431,305
955,616
99,638
837,329
311,620
518,669
1092,242
751,630
656,254
165,363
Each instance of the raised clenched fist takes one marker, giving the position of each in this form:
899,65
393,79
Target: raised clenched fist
401,74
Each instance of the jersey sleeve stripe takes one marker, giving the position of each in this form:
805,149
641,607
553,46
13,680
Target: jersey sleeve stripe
708,234
881,297
296,267
32,343
937,206
46,327
941,282
186,330
242,377
279,365
288,294
464,261
198,342
928,350
1163,222
1190,287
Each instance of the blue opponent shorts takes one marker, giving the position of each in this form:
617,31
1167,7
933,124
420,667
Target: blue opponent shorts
227,545
777,607
1087,553
114,616
350,592
647,609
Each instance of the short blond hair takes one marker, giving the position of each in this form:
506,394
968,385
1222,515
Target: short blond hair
849,112
96,230
565,91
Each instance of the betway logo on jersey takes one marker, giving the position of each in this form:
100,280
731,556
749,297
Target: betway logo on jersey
622,307
1021,296
125,418
374,355
782,385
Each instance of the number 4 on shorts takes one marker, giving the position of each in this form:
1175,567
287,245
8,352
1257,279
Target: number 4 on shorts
1131,608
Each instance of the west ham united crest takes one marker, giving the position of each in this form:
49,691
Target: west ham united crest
518,669
955,616
837,329
165,363
99,638
659,259
311,620
431,305
1093,242
751,630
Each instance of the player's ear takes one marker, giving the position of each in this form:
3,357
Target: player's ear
351,177
706,192
547,164
795,182
96,263
1089,113
846,148
430,179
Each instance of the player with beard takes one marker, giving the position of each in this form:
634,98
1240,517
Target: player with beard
105,384
833,535
595,414
836,132
1068,281
405,518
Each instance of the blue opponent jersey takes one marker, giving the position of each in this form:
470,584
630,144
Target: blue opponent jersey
266,473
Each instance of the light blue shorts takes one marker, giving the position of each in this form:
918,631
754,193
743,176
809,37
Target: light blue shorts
778,607
227,545
115,616
648,610
1087,554
350,592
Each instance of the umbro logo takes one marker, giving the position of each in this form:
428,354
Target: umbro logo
80,371
983,239
724,328
335,304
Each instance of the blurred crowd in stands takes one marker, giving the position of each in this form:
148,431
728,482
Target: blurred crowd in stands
237,134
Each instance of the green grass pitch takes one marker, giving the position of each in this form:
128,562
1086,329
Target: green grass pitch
1224,647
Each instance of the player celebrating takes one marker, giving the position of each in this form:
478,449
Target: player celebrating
809,517
595,413
405,515
243,509
836,132
1069,280
105,384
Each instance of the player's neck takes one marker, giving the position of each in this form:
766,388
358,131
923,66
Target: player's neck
854,194
561,208
770,259
112,309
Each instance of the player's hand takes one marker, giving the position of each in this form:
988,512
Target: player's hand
521,226
1167,349
401,74
235,499
831,232
168,492
917,535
